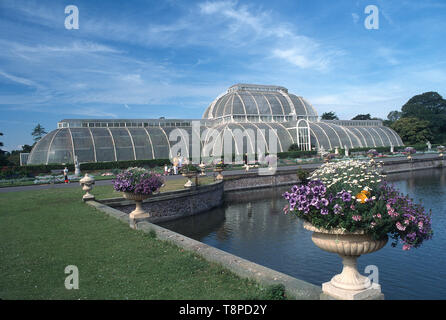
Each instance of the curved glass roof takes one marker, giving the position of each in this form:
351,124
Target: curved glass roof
247,138
103,144
259,100
330,135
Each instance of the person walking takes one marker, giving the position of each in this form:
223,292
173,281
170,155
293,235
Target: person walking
65,175
180,162
175,165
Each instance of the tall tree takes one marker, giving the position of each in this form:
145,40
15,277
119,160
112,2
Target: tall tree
329,116
394,115
38,132
413,130
431,107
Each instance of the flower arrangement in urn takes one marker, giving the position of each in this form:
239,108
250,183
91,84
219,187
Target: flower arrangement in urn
410,151
372,153
352,210
219,166
137,184
189,171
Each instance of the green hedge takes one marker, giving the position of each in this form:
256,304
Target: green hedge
296,154
123,164
13,172
9,172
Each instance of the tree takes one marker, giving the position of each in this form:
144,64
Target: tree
329,116
413,130
38,132
26,148
3,155
363,117
14,155
394,115
431,107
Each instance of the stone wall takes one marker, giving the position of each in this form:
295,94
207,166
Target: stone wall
254,181
405,165
175,204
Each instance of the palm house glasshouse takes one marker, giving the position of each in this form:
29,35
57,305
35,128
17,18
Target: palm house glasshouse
264,110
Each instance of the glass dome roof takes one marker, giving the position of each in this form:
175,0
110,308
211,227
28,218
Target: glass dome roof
245,99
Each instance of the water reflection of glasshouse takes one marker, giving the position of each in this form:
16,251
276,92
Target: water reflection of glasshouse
252,116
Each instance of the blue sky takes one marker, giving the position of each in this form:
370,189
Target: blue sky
147,59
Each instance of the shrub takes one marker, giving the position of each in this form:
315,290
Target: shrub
189,168
297,154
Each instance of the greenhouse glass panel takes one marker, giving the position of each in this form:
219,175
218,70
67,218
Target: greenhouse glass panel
365,139
262,103
370,142
237,106
83,145
39,153
377,136
160,143
384,135
335,139
319,136
143,147
283,107
301,109
250,105
103,143
61,150
175,134
123,143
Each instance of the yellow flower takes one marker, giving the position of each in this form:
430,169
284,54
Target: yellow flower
366,192
363,195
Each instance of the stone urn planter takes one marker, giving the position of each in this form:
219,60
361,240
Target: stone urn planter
219,175
349,284
202,168
189,176
87,183
139,212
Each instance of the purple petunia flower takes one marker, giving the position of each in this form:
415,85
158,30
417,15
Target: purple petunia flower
324,202
337,208
346,197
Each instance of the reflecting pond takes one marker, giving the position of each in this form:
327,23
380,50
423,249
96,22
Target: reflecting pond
251,224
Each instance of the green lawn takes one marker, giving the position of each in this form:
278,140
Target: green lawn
43,231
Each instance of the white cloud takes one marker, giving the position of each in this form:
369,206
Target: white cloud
75,47
389,55
243,26
19,80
